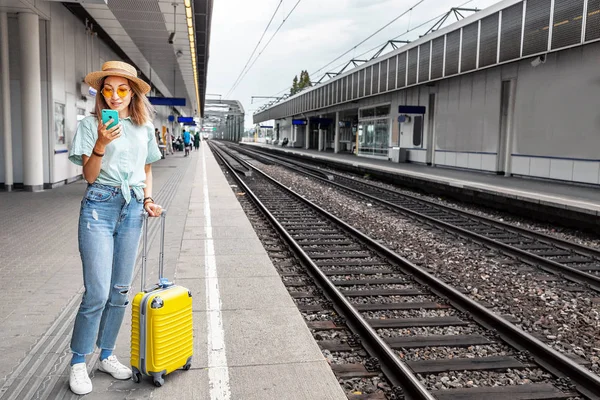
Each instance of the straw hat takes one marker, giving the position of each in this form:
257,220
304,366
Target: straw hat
116,68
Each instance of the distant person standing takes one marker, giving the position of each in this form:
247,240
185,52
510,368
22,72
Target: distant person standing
197,140
169,142
187,142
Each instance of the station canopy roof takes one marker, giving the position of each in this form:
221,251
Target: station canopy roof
139,32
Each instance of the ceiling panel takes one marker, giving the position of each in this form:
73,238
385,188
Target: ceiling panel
141,28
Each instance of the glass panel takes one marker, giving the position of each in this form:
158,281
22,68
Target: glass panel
367,113
418,131
59,123
382,111
373,137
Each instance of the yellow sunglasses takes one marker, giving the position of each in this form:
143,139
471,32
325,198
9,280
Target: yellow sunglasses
121,92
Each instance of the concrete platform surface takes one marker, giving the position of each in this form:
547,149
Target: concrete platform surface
250,341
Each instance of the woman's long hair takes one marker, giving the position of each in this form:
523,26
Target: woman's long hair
140,109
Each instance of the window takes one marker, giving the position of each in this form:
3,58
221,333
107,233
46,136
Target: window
59,123
382,111
367,113
418,131
80,114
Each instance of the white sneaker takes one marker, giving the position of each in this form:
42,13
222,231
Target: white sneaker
79,381
112,366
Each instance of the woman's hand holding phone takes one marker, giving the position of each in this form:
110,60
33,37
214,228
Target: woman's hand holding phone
106,135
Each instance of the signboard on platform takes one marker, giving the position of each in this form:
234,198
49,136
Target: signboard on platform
411,110
299,122
167,101
185,120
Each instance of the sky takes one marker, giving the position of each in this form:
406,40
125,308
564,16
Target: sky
314,34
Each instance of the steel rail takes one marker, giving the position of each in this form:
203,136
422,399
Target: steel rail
588,280
542,237
586,382
396,370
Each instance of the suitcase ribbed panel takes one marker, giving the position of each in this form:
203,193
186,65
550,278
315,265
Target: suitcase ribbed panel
170,337
173,342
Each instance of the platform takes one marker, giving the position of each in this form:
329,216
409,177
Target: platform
581,201
251,342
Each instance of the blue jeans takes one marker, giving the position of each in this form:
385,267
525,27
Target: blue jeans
109,235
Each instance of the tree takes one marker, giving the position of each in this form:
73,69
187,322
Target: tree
299,84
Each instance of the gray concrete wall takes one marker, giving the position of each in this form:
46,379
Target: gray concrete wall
468,112
557,109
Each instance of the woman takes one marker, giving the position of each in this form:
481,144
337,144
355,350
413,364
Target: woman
117,166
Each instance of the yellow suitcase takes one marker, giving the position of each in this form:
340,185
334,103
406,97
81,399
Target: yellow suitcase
161,326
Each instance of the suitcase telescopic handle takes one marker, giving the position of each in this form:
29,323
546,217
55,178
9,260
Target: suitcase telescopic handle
161,256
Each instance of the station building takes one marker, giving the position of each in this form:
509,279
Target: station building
47,47
513,89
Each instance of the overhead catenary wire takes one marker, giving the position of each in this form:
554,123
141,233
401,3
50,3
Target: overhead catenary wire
371,35
267,45
376,47
256,47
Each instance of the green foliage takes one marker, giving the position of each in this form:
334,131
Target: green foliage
299,84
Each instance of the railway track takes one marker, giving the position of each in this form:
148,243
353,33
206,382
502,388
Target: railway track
571,261
380,294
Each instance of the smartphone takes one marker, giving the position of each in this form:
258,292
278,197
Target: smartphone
108,114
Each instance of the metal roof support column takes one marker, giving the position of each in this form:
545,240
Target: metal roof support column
6,120
320,145
307,134
336,146
31,102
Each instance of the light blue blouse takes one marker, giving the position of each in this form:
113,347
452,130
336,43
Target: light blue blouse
124,160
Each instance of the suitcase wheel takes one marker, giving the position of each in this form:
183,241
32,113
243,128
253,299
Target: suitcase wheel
158,382
137,377
188,364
